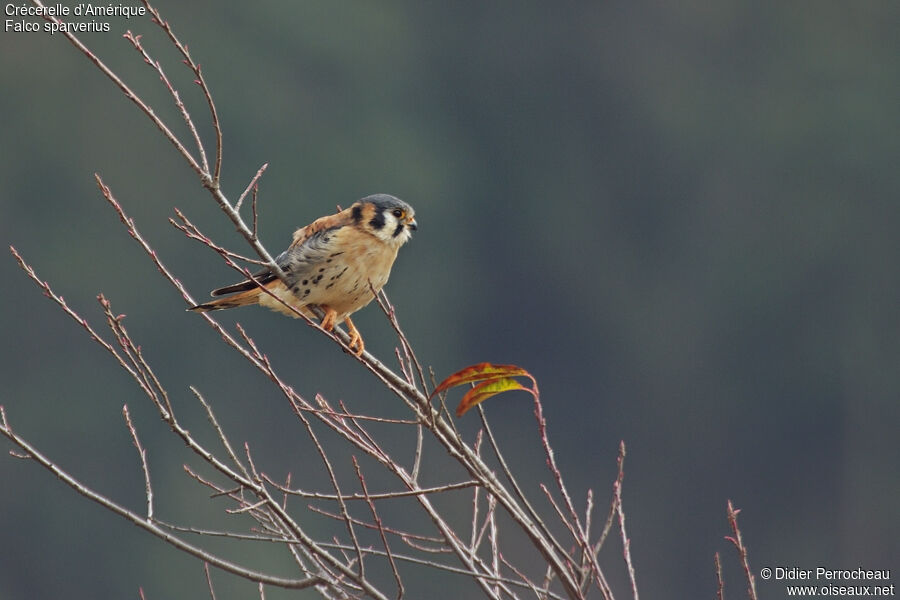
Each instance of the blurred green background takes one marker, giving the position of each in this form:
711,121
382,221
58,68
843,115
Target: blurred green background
681,217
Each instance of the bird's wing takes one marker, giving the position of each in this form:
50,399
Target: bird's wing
309,259
311,244
322,223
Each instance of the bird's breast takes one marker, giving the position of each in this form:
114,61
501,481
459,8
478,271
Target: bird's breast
344,280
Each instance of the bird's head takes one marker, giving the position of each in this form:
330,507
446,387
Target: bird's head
389,219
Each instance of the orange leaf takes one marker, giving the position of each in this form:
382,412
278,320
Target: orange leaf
485,390
480,372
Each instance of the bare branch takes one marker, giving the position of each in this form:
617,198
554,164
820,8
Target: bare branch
212,592
380,527
222,437
251,186
149,525
136,42
738,543
192,232
720,585
626,543
201,81
381,496
143,455
125,90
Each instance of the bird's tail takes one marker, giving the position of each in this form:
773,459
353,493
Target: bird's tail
245,298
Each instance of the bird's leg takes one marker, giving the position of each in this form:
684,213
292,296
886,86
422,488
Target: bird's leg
328,320
355,338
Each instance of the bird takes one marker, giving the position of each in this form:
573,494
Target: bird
336,263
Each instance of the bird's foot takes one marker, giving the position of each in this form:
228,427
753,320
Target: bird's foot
328,320
356,340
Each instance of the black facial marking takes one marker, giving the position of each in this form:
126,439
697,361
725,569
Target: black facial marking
357,214
377,221
397,230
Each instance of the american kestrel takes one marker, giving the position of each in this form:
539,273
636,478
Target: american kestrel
334,263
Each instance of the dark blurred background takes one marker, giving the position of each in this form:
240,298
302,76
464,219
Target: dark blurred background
681,217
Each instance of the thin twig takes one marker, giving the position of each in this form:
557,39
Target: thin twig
578,531
520,495
220,432
495,538
524,583
250,537
404,535
201,81
136,42
61,302
150,526
720,584
382,496
384,303
586,569
143,455
620,475
378,524
194,233
738,542
251,186
173,139
133,351
626,543
212,592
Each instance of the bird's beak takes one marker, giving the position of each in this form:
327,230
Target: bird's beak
411,223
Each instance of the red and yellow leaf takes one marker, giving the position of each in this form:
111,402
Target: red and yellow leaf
494,379
485,390
480,372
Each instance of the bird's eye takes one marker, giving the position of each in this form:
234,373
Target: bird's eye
398,213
